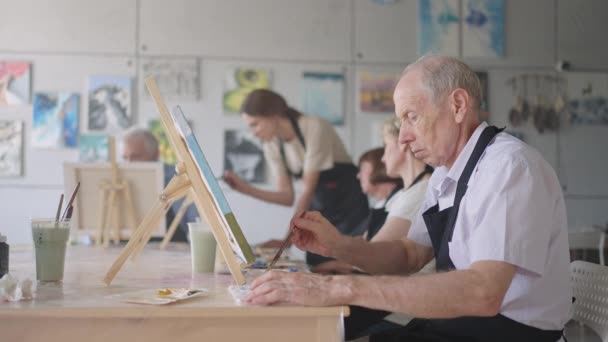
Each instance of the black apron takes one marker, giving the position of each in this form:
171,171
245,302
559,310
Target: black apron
440,225
338,196
378,216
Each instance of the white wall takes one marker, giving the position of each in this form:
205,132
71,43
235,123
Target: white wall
69,40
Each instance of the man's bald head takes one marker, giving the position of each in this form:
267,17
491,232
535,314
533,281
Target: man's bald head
441,75
438,100
139,145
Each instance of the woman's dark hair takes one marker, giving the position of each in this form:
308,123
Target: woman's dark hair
264,102
374,157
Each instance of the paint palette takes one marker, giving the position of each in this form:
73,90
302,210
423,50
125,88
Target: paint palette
158,296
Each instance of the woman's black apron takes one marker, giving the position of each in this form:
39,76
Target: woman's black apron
377,216
440,225
338,196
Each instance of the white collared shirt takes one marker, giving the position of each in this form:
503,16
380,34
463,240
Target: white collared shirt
406,203
513,211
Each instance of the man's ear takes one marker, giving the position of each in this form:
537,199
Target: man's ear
459,101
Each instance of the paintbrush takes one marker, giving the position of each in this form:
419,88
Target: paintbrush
68,216
59,209
69,205
283,245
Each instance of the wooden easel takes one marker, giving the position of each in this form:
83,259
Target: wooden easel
176,220
109,211
187,182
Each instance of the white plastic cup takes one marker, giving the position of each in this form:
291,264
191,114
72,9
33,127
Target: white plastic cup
202,247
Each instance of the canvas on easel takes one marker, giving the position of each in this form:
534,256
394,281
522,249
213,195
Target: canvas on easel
194,179
145,181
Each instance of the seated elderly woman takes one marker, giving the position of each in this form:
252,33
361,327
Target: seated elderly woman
379,186
401,204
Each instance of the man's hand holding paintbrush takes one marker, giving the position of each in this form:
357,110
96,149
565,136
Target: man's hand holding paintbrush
314,233
310,231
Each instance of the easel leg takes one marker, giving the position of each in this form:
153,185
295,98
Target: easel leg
148,233
111,213
176,220
169,197
130,208
101,211
116,226
134,240
177,188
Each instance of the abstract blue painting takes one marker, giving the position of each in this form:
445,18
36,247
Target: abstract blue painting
55,121
483,28
322,94
438,27
94,148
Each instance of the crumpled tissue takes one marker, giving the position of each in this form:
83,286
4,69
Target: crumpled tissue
13,290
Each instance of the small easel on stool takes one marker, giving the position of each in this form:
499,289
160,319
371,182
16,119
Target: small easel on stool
195,180
109,211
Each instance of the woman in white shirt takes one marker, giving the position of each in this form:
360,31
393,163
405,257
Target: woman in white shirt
405,204
304,147
400,162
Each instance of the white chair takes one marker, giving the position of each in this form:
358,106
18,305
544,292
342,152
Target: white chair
590,287
589,237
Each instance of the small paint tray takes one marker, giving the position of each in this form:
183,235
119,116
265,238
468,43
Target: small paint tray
158,296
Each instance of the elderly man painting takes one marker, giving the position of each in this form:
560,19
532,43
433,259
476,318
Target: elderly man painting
494,218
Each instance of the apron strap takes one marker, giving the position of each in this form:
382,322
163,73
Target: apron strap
486,137
300,136
427,171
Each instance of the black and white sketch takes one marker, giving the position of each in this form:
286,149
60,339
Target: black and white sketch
109,103
11,148
177,79
243,155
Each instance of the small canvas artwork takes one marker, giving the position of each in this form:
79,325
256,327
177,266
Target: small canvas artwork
93,148
588,110
244,156
11,148
438,27
483,28
15,83
55,121
109,103
166,153
322,94
177,79
376,91
239,82
587,102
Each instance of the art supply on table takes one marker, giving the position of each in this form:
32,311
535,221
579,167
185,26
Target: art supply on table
194,176
59,208
238,292
285,243
70,202
158,296
13,289
50,240
3,256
